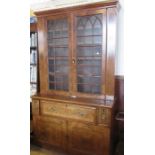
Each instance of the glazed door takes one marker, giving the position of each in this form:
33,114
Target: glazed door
58,57
90,52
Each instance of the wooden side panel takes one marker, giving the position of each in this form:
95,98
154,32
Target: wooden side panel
119,92
35,107
42,46
111,47
85,139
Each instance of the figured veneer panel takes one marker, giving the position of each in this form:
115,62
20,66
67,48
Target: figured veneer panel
68,111
104,116
82,113
53,109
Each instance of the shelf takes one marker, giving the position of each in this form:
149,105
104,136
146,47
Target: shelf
58,57
97,35
57,38
80,75
90,84
62,65
58,46
33,82
58,30
90,58
58,74
33,64
33,47
58,83
88,75
84,65
89,45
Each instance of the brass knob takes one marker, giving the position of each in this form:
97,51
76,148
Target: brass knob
73,61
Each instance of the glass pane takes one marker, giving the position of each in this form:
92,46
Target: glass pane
61,69
62,62
95,89
60,86
89,62
88,70
89,80
51,78
89,53
84,88
51,86
58,41
58,63
61,79
84,40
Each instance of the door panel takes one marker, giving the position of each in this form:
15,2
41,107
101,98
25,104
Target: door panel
51,131
85,140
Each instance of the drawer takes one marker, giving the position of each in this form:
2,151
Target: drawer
83,113
53,108
68,111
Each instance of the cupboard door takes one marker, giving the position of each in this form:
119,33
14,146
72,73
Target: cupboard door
51,131
58,54
90,37
84,139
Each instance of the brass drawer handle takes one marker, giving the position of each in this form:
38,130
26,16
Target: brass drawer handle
52,109
81,113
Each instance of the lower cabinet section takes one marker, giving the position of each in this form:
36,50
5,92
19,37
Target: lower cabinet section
74,135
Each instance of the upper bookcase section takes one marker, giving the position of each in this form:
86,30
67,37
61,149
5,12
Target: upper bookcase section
46,5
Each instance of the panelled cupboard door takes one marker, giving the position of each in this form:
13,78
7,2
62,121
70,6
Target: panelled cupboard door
85,140
58,54
51,131
90,52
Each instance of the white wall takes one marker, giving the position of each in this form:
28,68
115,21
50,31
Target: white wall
119,69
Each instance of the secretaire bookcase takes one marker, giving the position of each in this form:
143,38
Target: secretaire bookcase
74,109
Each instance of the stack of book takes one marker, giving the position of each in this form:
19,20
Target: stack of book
33,57
33,40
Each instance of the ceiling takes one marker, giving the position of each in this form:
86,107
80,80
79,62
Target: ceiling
39,5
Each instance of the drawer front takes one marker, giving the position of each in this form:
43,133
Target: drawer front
83,113
53,108
68,111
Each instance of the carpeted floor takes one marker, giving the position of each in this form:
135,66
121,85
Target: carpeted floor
35,150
